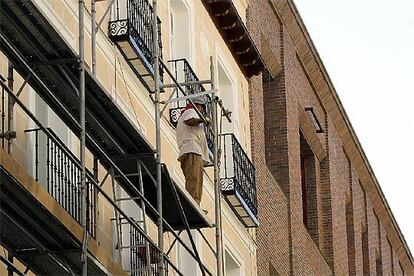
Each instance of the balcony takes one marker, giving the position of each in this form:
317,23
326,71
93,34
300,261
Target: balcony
183,72
108,133
237,179
59,170
41,212
131,29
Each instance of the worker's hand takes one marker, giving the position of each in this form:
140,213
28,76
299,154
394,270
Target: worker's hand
219,154
207,121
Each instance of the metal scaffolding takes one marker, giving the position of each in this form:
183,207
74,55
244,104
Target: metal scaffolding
84,253
90,182
215,102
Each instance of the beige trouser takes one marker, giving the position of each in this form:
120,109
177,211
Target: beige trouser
192,166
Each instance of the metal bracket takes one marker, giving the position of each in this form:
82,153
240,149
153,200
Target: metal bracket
22,86
172,244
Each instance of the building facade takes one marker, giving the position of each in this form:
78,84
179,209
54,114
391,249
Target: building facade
40,180
321,209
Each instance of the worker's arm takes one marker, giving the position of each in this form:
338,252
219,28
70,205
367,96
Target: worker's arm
193,121
191,118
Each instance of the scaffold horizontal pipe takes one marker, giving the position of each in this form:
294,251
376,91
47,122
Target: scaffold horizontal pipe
189,97
174,85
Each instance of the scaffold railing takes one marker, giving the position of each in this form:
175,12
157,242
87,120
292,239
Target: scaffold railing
184,73
60,189
146,19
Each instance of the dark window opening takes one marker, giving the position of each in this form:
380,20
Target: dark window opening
309,191
350,237
304,193
378,265
349,215
365,252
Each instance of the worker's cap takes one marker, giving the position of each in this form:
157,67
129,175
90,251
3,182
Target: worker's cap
199,100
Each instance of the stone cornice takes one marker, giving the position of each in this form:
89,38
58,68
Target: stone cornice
288,13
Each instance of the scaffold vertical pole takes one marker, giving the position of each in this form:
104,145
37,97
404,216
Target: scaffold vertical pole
158,137
10,113
118,222
93,35
84,253
217,190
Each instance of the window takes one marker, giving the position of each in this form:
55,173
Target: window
128,236
231,265
349,216
365,251
47,151
303,173
309,192
378,264
350,236
365,242
227,95
171,34
187,264
378,260
179,36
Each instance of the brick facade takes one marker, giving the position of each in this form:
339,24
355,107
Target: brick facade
342,233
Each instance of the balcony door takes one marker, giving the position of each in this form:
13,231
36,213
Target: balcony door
179,30
229,98
227,95
45,150
187,264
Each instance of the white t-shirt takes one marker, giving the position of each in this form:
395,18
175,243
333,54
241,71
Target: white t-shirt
191,139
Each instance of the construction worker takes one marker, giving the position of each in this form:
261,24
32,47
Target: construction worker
192,146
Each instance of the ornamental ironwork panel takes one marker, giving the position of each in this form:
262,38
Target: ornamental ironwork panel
118,28
237,171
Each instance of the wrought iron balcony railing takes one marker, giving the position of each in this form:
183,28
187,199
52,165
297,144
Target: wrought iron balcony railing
131,23
237,179
183,72
60,171
55,166
144,256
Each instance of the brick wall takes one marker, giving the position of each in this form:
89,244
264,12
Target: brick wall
273,233
344,235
